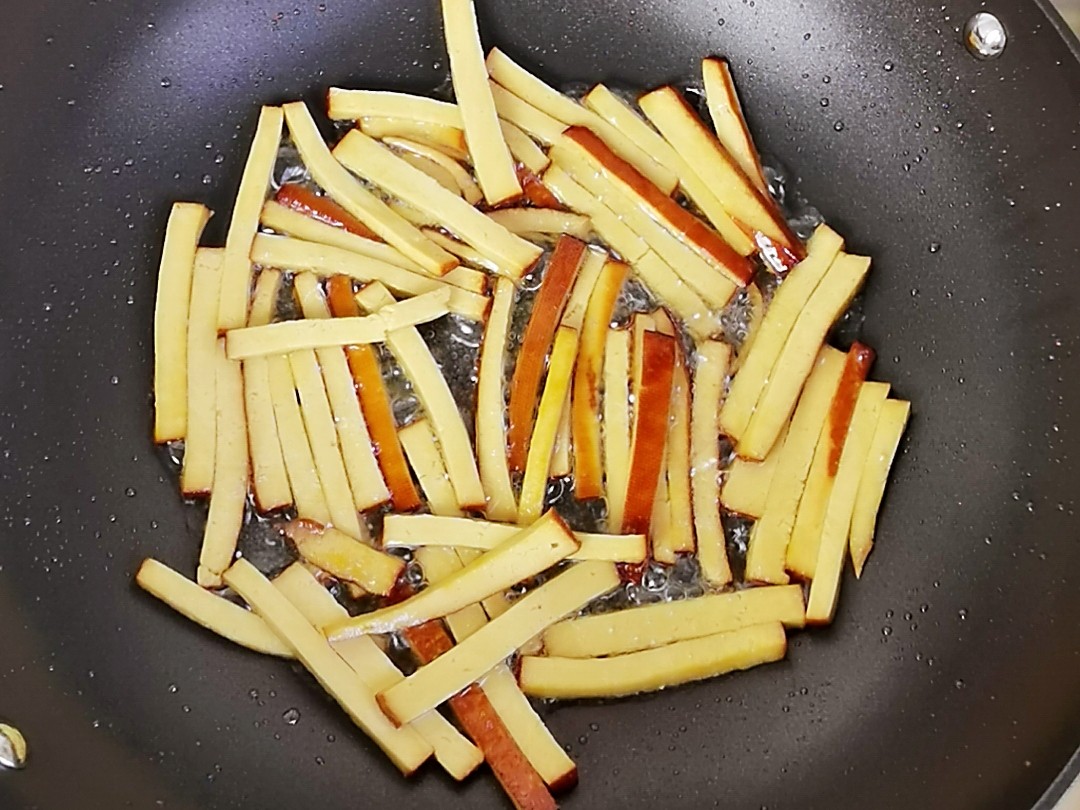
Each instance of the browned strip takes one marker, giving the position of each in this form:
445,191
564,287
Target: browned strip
859,359
529,369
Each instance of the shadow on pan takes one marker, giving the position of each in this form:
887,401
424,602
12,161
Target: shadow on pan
950,677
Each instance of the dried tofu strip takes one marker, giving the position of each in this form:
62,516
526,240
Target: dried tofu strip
452,750
290,336
712,364
561,463
448,140
653,271
461,177
525,726
420,531
365,478
781,393
524,149
469,255
491,407
485,649
375,403
769,541
520,558
728,119
531,89
588,276
431,388
320,257
231,472
650,670
406,749
197,473
679,536
217,614
382,167
641,628
524,115
422,449
323,439
547,311
616,424
789,301
284,220
654,368
619,114
171,309
491,158
431,168
358,200
345,557
269,479
639,194
744,202
588,374
352,105
546,428
542,220
295,449
883,447
236,267
746,483
825,588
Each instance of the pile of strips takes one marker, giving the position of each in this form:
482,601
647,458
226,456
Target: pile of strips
426,209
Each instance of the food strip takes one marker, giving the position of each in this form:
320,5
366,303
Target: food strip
430,386
345,557
236,263
171,308
546,427
529,88
530,552
481,652
295,450
217,614
746,483
782,390
406,749
490,407
291,336
833,547
879,458
789,301
650,670
728,120
619,114
453,751
269,479
558,280
713,359
376,163
358,200
365,478
197,472
422,449
768,546
418,531
491,159
648,626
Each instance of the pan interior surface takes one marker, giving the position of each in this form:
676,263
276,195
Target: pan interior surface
949,679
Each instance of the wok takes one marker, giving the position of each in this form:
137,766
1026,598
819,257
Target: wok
950,678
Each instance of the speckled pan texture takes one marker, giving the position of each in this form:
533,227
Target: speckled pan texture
950,679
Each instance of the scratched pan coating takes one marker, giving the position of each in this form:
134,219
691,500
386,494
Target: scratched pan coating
950,677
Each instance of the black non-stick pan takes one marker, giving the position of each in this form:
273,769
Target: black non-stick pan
951,678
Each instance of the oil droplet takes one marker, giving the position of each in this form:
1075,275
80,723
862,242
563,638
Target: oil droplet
13,748
291,716
886,631
173,688
130,492
166,82
888,66
935,247
207,179
985,36
959,683
838,126
824,102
